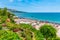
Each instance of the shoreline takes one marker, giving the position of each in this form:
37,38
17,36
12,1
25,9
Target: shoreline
43,17
36,23
40,20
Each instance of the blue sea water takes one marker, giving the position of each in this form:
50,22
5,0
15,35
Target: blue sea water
52,17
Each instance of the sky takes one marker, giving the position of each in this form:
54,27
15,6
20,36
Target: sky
32,5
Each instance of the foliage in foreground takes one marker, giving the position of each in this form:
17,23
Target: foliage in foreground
34,33
8,35
48,31
23,31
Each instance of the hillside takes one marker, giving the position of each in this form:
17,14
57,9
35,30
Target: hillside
9,30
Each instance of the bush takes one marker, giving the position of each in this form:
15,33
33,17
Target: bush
48,31
8,35
29,29
0,26
56,38
38,36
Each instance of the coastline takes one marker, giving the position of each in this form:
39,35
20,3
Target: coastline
38,23
53,17
34,22
24,27
40,20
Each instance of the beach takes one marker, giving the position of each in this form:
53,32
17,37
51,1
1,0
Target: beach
51,17
37,24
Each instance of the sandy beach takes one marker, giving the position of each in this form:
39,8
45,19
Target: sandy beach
37,24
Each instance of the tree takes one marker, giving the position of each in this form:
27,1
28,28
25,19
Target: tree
48,31
0,11
4,12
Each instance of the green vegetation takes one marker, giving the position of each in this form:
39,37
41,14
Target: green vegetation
9,30
8,35
48,31
33,32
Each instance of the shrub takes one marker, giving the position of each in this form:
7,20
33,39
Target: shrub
48,31
8,35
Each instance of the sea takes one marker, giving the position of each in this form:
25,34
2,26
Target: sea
51,17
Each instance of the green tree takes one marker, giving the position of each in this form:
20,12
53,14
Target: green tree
48,31
0,11
4,12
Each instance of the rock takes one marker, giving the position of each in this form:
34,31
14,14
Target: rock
15,30
4,25
8,20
